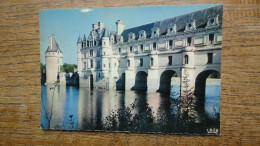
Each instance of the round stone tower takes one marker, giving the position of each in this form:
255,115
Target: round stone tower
53,60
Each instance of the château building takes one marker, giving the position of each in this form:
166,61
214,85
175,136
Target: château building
146,57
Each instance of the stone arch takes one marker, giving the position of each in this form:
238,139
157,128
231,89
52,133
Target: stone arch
165,80
200,82
120,83
140,81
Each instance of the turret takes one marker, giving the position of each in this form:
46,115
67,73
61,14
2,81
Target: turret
53,60
119,27
84,41
80,46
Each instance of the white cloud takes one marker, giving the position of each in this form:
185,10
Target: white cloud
86,10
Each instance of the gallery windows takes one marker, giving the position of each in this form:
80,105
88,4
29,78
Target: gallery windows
211,38
91,63
98,64
142,48
189,41
131,49
186,59
154,46
91,53
170,43
141,61
151,61
128,63
210,58
169,60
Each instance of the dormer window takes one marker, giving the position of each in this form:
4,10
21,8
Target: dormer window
190,26
131,36
155,32
142,34
171,29
213,22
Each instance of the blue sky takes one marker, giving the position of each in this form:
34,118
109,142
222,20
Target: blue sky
68,24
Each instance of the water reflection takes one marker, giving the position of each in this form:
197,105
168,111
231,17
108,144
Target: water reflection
72,108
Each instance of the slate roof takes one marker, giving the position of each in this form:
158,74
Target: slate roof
55,47
200,16
105,33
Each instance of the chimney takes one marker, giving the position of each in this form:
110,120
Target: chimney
51,39
94,27
101,25
119,27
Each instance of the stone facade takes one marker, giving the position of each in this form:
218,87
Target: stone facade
147,56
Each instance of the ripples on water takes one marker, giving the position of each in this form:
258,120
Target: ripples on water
73,108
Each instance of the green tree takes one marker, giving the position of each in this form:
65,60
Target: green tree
43,67
68,67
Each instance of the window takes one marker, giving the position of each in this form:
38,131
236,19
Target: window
170,43
119,50
170,60
212,21
91,63
99,75
98,64
85,55
119,63
131,49
186,59
142,48
95,43
151,61
91,52
171,29
104,53
98,53
104,43
128,63
154,46
141,62
189,41
104,65
210,58
211,38
154,32
87,43
85,66
189,25
109,65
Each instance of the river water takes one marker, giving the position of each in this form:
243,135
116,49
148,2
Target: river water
74,108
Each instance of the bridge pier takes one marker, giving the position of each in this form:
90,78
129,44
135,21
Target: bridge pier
129,79
187,80
153,80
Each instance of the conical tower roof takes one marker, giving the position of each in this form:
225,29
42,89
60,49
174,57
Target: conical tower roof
79,40
53,45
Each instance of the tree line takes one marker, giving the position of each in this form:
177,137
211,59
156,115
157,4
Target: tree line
63,68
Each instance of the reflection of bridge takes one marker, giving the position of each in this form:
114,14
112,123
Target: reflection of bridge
147,57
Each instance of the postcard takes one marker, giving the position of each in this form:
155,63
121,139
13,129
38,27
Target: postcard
149,69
